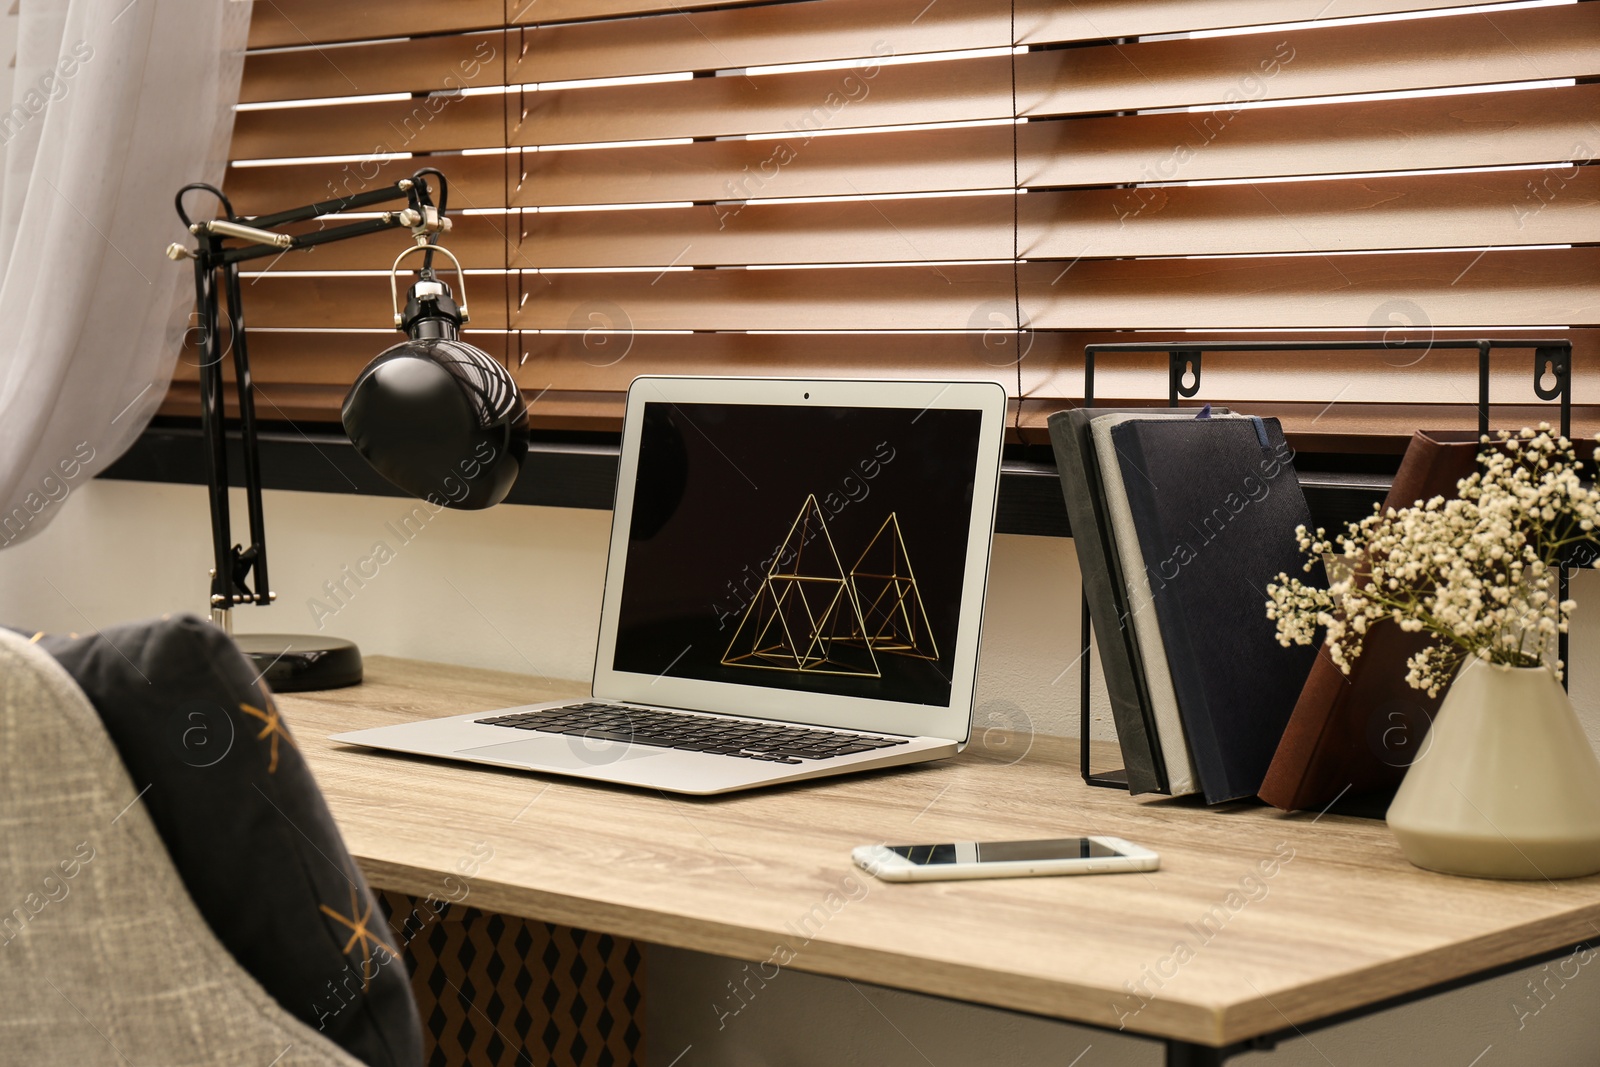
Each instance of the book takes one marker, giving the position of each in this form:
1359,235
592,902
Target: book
1215,504
1105,593
1138,615
1354,735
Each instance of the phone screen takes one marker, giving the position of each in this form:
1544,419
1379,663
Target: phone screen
1060,848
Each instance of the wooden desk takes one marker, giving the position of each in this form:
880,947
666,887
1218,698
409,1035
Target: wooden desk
1257,922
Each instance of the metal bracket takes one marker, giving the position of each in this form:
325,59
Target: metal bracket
1556,362
394,283
1179,364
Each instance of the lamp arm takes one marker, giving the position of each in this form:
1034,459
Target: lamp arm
420,215
239,574
211,421
404,189
388,221
253,558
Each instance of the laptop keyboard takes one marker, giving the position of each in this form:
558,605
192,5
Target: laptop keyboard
770,742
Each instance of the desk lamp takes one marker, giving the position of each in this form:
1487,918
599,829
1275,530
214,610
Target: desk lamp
436,416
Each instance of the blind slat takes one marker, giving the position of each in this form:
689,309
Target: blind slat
1529,127
1470,130
294,23
1529,45
298,23
1415,211
1506,288
450,63
1052,365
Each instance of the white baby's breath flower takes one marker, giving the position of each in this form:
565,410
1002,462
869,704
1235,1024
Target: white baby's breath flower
1477,571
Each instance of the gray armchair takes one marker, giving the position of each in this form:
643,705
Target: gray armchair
104,958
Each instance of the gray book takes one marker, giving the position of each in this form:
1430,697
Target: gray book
1106,592
1140,619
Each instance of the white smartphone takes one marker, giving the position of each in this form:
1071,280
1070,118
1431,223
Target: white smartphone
1003,859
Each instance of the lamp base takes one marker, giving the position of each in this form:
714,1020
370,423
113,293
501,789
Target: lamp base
297,663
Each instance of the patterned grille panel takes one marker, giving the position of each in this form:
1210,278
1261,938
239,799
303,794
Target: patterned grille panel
497,991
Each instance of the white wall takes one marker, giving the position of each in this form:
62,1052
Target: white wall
518,588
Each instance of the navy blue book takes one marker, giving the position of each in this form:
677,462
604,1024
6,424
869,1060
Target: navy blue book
1215,503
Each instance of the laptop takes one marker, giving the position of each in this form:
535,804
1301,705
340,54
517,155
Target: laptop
794,589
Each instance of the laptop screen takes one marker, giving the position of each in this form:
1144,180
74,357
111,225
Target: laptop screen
819,549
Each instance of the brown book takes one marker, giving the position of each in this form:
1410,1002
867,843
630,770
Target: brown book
1355,734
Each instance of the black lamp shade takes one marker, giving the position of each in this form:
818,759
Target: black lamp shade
442,420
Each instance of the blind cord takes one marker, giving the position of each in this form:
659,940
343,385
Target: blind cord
515,167
513,336
1016,235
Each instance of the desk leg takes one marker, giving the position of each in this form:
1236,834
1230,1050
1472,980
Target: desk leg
1188,1054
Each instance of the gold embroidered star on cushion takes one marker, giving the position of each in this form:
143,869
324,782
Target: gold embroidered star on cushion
272,729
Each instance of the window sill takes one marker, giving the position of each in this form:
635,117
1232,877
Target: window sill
583,475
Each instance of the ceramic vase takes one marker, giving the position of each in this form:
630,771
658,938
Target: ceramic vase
1507,785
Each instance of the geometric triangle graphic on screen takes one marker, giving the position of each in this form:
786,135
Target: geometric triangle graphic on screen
804,616
894,619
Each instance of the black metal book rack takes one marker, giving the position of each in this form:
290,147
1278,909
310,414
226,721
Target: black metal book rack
1552,361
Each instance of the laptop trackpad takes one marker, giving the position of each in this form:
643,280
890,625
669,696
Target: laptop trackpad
562,753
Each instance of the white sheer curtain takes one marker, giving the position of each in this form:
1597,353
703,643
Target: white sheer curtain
115,104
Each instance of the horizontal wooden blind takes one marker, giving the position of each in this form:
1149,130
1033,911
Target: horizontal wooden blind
870,187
